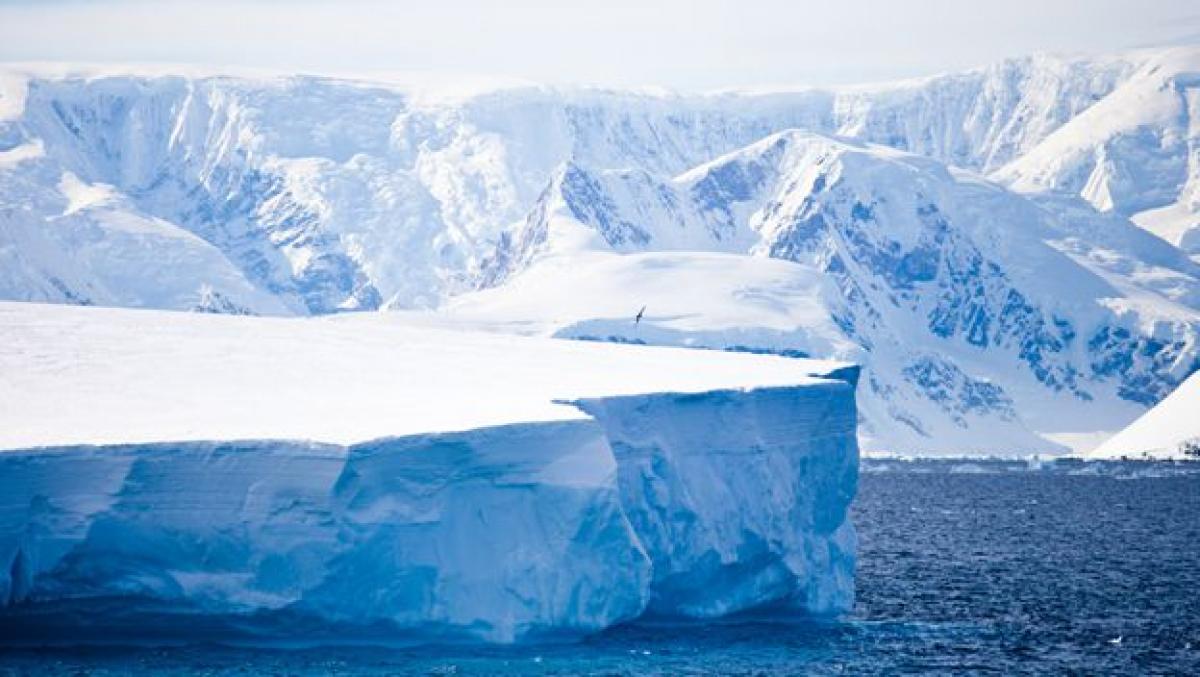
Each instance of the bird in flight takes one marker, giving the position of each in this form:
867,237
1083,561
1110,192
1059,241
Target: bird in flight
638,318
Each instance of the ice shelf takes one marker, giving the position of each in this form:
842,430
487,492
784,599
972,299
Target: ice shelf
170,475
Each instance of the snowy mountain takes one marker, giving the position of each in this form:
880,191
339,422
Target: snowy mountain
972,308
999,314
334,194
89,245
1135,152
1171,430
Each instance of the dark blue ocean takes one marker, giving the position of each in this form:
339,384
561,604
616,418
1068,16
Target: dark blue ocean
963,568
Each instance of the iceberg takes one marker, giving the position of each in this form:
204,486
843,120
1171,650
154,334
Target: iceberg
357,478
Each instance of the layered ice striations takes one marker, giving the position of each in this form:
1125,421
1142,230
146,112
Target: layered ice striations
693,505
739,497
459,534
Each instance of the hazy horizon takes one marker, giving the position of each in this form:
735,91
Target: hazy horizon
673,44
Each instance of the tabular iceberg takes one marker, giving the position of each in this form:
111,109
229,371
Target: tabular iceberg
607,482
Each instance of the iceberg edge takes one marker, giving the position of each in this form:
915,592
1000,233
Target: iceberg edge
691,505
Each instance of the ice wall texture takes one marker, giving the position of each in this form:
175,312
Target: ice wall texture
658,504
740,498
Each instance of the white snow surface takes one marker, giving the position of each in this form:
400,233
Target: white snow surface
1171,430
73,376
692,299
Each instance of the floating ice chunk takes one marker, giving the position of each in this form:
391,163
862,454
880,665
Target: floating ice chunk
694,483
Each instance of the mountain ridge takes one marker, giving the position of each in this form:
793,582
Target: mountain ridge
310,195
940,276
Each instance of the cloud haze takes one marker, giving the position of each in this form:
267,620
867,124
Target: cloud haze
689,45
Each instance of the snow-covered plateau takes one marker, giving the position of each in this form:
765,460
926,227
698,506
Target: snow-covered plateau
1009,252
170,475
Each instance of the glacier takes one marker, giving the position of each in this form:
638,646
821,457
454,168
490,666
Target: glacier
336,194
685,488
971,307
173,476
1132,153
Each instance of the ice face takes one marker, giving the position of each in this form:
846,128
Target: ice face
494,534
740,497
696,505
502,533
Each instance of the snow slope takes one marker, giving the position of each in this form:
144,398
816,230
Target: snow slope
743,304
1136,152
170,475
987,322
1170,430
90,246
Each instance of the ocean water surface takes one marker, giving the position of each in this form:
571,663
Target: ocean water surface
964,567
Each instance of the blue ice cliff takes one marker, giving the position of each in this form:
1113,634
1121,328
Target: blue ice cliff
601,484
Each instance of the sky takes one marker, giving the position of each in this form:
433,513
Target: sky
696,45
